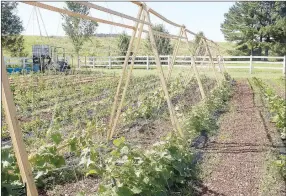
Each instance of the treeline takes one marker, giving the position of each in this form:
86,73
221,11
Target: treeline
257,28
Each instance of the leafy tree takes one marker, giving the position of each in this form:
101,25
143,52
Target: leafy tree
197,43
79,30
123,43
11,28
163,44
256,27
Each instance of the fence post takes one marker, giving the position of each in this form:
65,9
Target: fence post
284,65
109,62
85,60
168,61
147,62
93,62
250,65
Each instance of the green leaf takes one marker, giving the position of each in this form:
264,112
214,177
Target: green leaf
56,137
124,150
136,190
124,191
117,142
91,172
80,193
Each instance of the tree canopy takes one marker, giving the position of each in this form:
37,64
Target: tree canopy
123,43
11,29
163,44
256,27
79,30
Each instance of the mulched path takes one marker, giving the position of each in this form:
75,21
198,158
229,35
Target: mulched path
234,162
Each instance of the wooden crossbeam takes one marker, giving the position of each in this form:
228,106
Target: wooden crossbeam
74,14
157,14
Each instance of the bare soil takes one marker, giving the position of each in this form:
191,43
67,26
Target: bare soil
235,162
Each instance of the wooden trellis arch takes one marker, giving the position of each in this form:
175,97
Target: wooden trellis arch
143,18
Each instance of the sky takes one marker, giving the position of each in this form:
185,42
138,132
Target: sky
196,16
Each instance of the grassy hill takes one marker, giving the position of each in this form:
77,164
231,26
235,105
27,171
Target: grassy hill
98,46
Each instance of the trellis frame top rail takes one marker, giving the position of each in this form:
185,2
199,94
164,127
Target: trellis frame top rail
74,14
94,6
170,22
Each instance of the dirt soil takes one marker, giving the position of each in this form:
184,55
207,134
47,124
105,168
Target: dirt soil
235,161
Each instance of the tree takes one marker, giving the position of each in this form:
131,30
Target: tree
11,28
123,43
256,27
79,30
163,44
197,44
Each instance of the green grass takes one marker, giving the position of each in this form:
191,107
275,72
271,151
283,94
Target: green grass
97,46
255,65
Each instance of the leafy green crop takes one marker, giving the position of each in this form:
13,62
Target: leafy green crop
277,107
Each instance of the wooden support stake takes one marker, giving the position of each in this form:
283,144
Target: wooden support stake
222,60
175,54
16,134
174,120
196,71
127,81
111,122
211,59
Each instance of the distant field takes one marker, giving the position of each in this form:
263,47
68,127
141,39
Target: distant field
98,46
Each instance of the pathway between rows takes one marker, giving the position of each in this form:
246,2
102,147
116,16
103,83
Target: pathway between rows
234,162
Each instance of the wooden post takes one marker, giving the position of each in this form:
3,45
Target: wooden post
169,62
219,64
173,117
222,62
195,70
284,65
147,63
127,80
250,64
123,72
175,54
109,61
16,134
85,61
211,59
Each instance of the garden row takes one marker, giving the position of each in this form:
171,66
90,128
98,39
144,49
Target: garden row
65,125
277,108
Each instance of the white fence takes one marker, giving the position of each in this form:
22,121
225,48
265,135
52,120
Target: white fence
231,62
18,61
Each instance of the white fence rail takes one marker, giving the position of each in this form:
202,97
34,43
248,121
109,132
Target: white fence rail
231,62
18,61
243,62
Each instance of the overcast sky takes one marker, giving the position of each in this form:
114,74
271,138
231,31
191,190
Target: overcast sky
197,16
